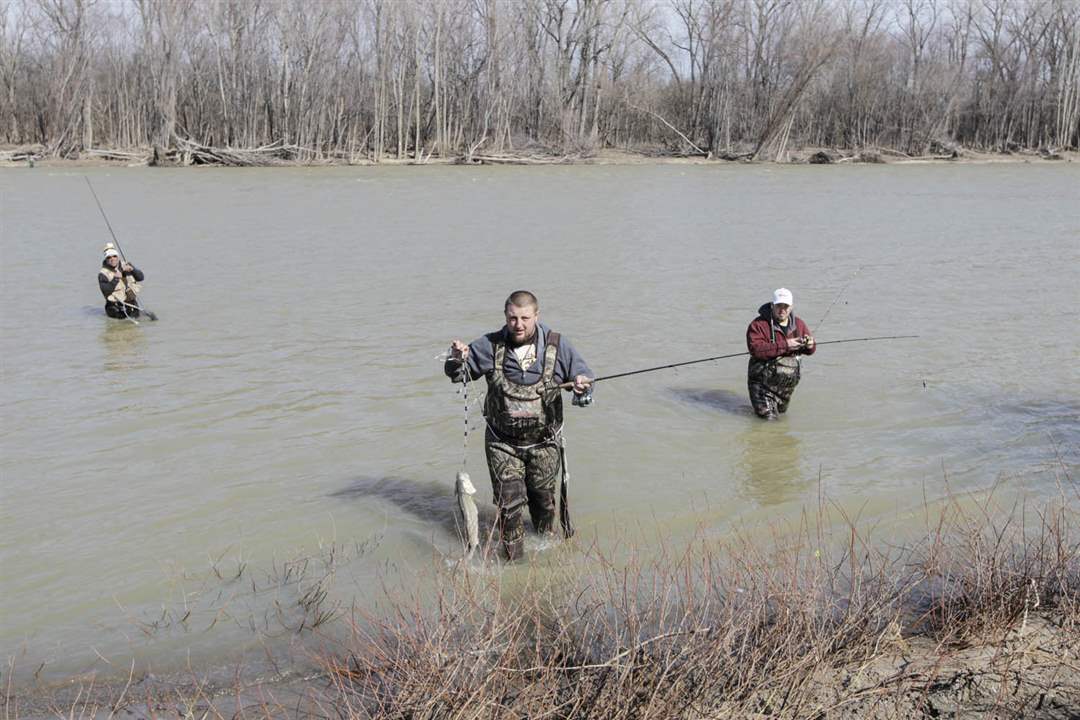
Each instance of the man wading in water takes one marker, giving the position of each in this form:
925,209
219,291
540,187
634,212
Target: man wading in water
523,363
775,339
119,283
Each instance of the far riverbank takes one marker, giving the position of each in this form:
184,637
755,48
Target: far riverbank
279,155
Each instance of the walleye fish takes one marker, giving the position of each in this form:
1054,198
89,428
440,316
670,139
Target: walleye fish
464,491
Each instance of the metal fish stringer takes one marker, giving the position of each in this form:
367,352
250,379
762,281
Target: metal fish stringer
467,514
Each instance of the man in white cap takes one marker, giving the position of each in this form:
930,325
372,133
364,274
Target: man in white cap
775,339
119,283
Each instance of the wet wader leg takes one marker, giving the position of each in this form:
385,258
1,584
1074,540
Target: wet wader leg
507,470
782,393
764,402
115,310
784,382
782,401
542,468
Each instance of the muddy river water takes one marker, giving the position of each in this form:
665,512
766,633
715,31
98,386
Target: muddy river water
290,399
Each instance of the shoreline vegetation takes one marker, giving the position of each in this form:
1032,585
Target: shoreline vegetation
279,155
976,615
260,81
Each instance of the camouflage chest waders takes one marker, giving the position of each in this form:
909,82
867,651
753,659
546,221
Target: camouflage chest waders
522,447
772,382
123,301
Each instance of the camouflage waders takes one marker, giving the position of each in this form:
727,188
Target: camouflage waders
772,382
524,422
521,476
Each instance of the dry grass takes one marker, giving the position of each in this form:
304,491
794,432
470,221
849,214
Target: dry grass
805,628
979,616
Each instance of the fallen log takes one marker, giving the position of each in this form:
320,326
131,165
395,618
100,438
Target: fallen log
20,156
519,160
139,157
734,157
891,152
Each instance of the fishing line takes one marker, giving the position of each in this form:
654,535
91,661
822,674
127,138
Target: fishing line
836,299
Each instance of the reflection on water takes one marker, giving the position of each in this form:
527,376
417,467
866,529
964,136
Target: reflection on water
728,401
769,462
125,345
431,502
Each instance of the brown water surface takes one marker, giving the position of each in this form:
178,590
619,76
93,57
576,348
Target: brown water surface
290,398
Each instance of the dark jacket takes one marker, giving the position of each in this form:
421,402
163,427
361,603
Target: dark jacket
764,337
108,287
481,360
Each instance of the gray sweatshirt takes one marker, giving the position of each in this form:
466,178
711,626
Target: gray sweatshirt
481,360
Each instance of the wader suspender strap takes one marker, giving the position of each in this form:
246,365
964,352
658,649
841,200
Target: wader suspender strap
500,358
551,354
548,384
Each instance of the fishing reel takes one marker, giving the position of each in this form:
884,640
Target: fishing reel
584,399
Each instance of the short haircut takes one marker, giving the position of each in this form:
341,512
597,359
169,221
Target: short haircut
522,298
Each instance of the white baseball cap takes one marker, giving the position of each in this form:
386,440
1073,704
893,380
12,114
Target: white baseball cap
782,296
111,252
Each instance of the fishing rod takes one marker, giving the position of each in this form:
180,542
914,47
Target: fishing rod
568,385
116,242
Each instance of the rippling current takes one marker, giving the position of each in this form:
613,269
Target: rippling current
291,399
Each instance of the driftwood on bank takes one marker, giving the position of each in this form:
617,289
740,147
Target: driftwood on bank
141,158
521,160
13,156
281,154
189,152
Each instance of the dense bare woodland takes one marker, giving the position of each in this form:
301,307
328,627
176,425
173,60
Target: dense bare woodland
372,79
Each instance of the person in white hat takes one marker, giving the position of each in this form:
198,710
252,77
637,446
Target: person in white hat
776,339
119,283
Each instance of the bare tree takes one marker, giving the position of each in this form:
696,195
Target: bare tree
163,29
408,78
